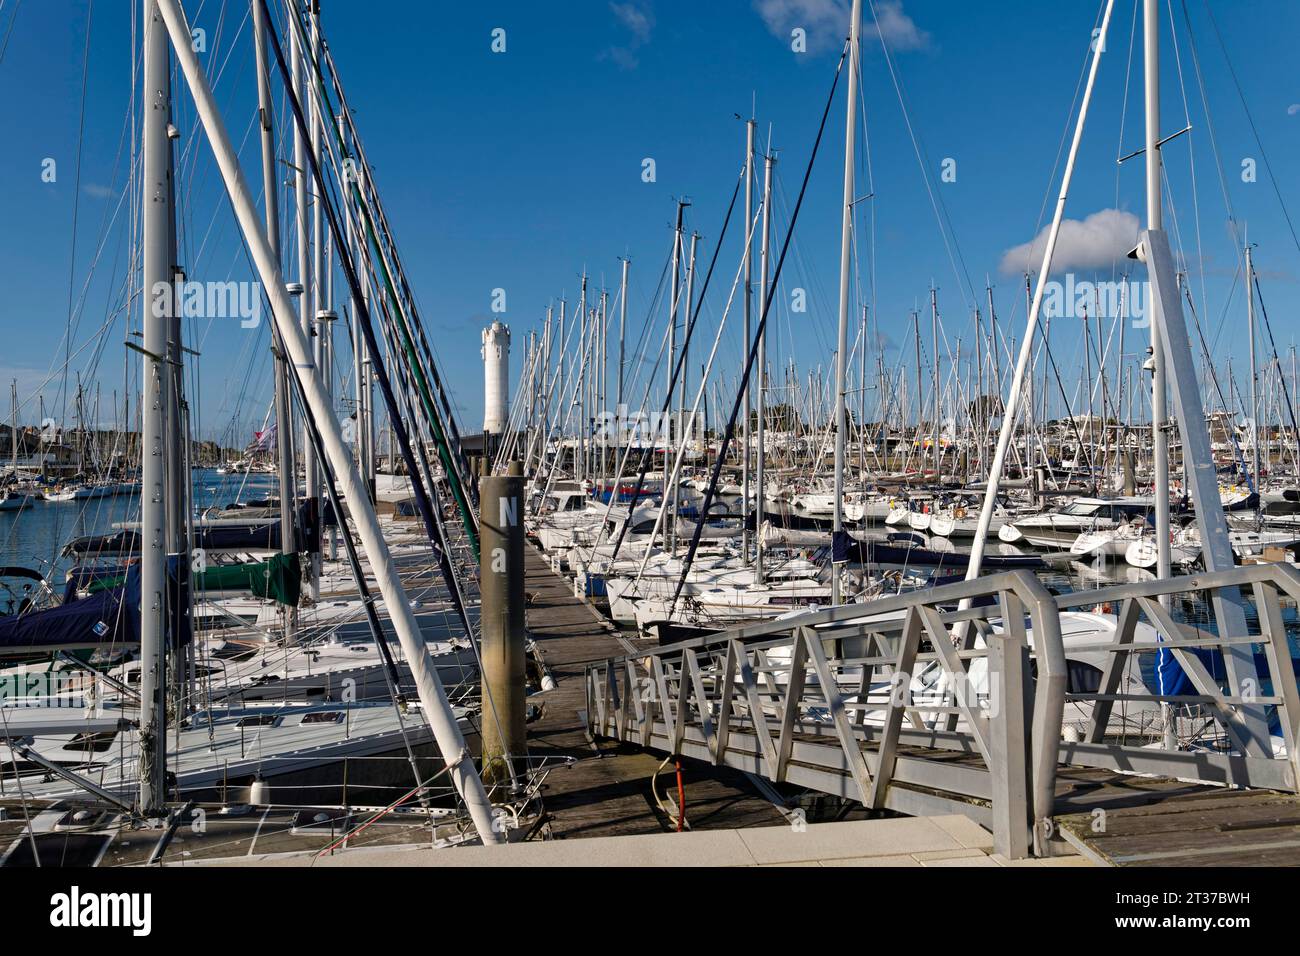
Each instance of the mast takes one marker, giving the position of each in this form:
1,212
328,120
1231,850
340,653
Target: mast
306,299
938,411
862,404
584,330
271,203
1159,388
155,216
670,494
176,456
920,388
744,346
1254,374
979,389
846,248
13,433
686,365
320,283
619,412
40,440
602,396
358,340
764,254
548,379
562,374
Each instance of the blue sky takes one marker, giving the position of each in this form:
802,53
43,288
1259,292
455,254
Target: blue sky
517,170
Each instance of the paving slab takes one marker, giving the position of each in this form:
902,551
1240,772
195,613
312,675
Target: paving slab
829,841
904,842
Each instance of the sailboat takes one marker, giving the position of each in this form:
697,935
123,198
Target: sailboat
12,497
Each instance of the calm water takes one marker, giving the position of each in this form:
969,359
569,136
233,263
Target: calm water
33,537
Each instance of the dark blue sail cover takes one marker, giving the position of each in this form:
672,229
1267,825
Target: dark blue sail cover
109,617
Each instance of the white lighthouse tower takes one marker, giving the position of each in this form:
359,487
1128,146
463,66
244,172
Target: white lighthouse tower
496,377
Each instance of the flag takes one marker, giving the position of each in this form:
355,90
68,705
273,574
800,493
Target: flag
265,438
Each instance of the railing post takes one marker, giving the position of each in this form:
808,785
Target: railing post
1277,651
1009,710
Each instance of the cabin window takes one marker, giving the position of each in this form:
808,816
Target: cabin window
257,720
92,743
1080,678
323,717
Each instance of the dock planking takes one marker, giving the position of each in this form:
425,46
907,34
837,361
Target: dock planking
607,791
1213,827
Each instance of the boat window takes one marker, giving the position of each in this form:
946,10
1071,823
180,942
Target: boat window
323,717
92,743
1081,678
257,720
1080,509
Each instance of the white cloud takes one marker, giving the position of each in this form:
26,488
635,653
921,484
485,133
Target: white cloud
1293,109
1095,242
638,19
899,30
827,22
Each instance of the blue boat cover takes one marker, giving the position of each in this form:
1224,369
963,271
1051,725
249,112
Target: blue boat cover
109,617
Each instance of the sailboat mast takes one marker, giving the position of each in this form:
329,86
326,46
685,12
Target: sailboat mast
13,433
1159,390
686,363
846,249
619,412
920,388
322,288
1254,374
748,302
938,410
306,299
670,494
764,255
155,215
270,190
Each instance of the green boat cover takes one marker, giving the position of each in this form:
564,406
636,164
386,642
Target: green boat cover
279,578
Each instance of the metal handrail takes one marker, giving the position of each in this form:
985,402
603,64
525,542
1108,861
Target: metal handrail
718,696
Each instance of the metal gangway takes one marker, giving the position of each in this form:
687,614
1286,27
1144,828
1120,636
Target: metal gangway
825,700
